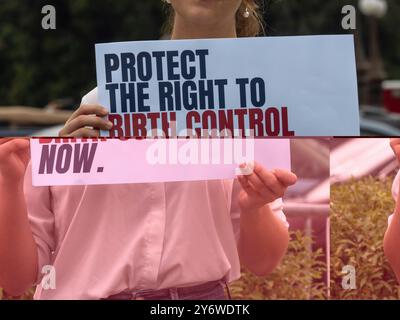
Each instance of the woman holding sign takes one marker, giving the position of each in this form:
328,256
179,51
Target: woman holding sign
392,237
182,240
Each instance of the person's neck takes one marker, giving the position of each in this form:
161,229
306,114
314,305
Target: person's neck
186,30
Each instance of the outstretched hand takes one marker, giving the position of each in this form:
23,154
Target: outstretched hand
263,186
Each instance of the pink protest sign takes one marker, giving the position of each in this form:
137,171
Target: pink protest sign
59,161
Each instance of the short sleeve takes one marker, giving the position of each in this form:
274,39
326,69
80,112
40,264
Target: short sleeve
41,218
395,192
276,208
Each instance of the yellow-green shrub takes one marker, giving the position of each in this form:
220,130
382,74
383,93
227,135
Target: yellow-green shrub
359,214
299,276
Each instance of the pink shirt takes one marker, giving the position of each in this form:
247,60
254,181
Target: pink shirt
102,240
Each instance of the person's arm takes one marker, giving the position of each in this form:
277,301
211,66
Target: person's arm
264,237
18,250
392,241
392,237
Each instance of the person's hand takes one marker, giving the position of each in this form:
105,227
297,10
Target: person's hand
262,186
86,122
14,157
395,144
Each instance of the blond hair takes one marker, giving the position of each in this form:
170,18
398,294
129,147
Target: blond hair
245,27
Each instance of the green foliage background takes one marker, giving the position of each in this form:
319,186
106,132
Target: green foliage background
300,276
359,215
37,66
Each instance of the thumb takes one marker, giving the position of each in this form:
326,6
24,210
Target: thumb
287,178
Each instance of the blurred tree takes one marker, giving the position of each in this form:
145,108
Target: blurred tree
299,17
37,66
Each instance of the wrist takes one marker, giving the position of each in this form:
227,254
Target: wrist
11,182
254,209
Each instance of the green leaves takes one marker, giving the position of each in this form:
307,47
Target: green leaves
359,215
299,276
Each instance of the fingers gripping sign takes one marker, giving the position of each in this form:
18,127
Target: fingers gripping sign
261,186
86,122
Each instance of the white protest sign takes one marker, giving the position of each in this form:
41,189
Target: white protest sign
261,87
71,161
